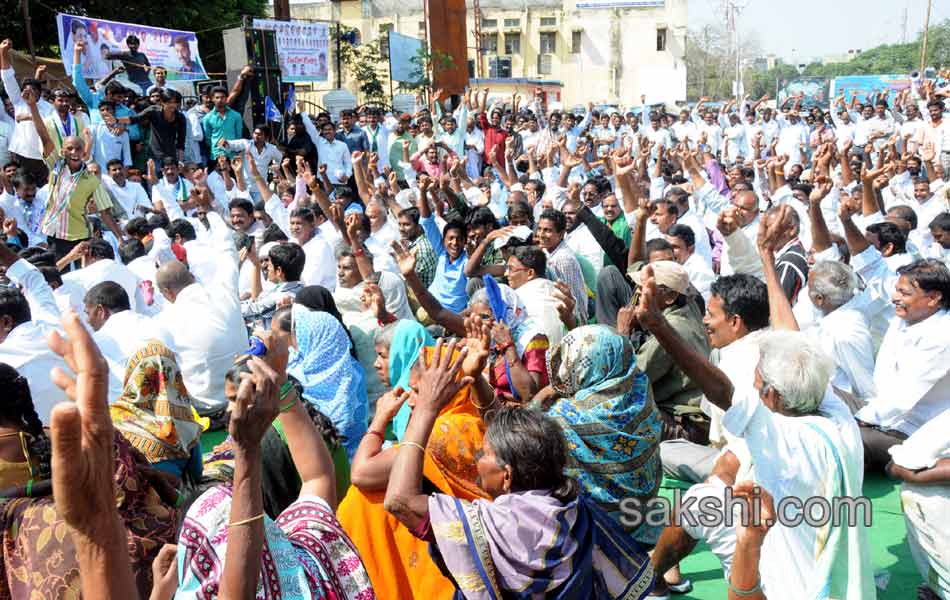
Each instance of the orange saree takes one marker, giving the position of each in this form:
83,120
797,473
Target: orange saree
398,563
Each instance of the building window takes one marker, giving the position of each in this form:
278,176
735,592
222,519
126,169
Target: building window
548,21
384,30
490,43
544,64
661,39
512,22
576,42
548,43
499,67
512,43
489,23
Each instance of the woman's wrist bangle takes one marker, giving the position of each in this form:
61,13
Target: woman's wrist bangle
414,445
247,521
750,592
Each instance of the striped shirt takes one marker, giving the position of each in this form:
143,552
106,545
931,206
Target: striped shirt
67,197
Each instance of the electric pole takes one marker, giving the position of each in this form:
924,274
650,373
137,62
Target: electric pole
923,46
732,10
479,67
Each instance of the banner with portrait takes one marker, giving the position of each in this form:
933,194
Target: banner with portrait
868,86
814,88
302,48
176,51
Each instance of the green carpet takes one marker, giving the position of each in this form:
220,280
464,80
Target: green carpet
888,537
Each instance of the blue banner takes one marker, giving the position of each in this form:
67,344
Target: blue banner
176,51
867,86
403,57
814,88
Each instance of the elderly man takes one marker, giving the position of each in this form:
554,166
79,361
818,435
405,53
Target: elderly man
205,320
675,395
802,443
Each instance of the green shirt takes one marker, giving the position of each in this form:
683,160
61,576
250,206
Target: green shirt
671,387
67,197
219,127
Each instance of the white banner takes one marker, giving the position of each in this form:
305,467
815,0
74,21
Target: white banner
620,3
301,48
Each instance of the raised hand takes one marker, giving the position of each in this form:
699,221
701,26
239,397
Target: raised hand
404,258
478,337
373,299
83,459
256,405
757,529
726,223
440,381
565,301
9,227
771,229
647,312
626,320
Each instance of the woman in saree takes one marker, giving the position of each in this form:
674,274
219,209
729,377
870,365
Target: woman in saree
39,556
602,402
229,548
332,379
155,412
398,563
537,537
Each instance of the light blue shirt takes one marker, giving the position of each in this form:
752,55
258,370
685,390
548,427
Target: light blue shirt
448,285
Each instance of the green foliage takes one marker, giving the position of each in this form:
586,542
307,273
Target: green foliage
426,63
188,15
362,63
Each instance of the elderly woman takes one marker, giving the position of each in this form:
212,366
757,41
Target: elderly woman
536,538
602,402
398,563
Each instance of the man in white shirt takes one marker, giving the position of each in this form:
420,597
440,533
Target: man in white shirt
119,331
841,328
172,190
261,151
27,205
792,140
802,444
679,198
580,239
127,194
26,318
383,232
205,321
99,264
683,240
912,374
333,153
25,143
560,258
685,130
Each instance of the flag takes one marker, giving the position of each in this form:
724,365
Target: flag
291,101
270,111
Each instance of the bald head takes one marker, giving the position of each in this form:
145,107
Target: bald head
172,278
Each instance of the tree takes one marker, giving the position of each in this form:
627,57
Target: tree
208,18
425,63
711,60
362,62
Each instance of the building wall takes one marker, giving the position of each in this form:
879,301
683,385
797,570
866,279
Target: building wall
617,59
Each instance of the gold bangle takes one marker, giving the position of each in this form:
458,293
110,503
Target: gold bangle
246,521
414,445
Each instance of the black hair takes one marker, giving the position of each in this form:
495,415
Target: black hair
745,297
100,249
171,96
556,217
683,232
459,226
264,128
168,161
520,207
532,445
411,213
289,258
22,178
158,221
109,294
676,196
107,104
243,204
114,161
38,257
941,221
304,213
130,250
889,233
482,217
183,228
20,412
218,89
930,275
533,258
13,304
902,211
138,226
658,245
539,187
273,233
51,275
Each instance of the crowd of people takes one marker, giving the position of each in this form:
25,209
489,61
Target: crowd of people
455,352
